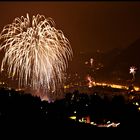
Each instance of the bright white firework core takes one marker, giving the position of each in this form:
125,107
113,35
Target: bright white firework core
132,70
36,53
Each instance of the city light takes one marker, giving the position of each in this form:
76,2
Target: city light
73,117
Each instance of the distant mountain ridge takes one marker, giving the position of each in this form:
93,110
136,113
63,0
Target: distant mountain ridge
117,62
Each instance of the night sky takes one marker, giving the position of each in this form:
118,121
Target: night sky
88,25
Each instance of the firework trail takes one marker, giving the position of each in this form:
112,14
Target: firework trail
36,53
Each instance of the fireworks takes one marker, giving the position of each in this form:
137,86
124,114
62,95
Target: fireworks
91,61
133,71
36,53
91,83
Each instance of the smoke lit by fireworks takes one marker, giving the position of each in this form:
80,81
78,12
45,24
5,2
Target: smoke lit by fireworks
36,53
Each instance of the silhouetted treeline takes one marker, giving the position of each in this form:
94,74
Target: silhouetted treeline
19,108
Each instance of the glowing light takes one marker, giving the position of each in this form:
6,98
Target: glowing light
80,120
136,88
66,86
109,125
73,117
36,53
93,123
136,103
108,122
116,86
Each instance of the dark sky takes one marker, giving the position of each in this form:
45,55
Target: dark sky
88,25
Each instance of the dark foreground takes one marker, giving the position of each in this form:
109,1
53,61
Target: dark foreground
17,110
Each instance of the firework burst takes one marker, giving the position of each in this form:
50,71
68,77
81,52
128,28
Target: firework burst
133,71
36,53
